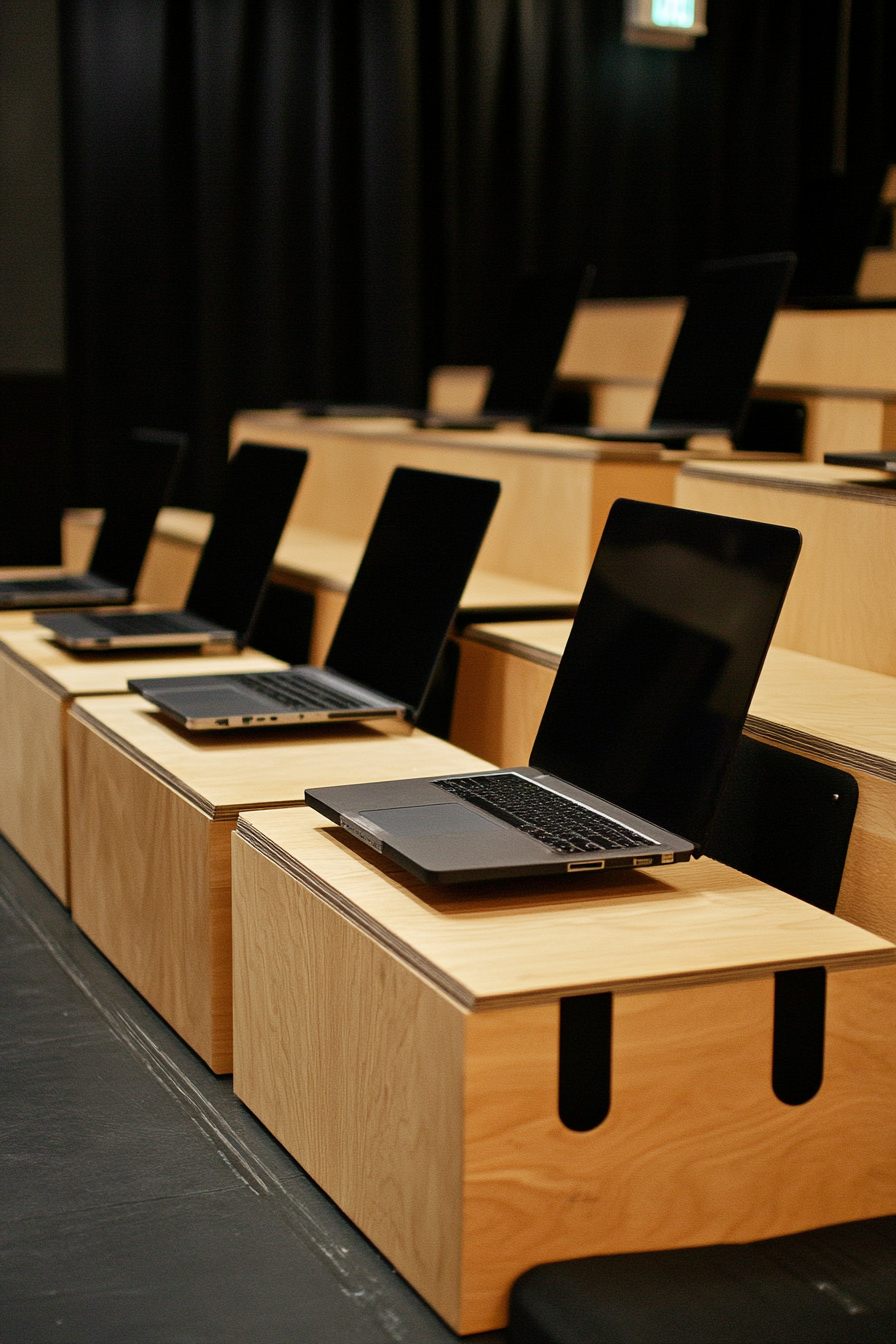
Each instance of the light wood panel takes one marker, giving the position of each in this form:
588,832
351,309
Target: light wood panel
877,275
842,589
458,389
32,773
490,944
39,681
151,811
435,1127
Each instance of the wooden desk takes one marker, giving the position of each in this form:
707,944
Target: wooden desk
842,363
842,716
151,808
840,602
402,1042
556,490
38,681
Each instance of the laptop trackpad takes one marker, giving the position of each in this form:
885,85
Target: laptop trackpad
430,819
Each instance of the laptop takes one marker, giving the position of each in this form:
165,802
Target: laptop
141,479
641,725
836,216
386,647
885,461
531,340
707,384
226,594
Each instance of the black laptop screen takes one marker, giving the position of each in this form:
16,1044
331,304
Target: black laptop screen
719,346
657,677
422,547
259,490
531,340
142,474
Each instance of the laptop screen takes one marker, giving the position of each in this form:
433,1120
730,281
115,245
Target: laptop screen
259,490
142,475
651,694
720,343
531,340
411,578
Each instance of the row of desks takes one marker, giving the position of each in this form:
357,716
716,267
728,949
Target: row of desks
404,1042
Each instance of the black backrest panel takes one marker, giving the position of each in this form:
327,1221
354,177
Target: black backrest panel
412,576
143,473
259,491
786,820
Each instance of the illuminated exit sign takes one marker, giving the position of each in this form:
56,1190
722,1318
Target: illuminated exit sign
664,23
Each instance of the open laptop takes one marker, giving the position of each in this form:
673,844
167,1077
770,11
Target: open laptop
836,216
141,479
412,575
707,384
641,725
531,340
223,602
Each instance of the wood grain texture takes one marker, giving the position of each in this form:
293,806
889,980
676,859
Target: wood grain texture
32,774
488,944
150,885
499,699
846,572
611,341
542,530
696,1148
150,859
365,1092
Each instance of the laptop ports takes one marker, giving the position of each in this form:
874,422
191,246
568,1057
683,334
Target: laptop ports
592,865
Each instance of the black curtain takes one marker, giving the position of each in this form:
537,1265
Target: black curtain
275,199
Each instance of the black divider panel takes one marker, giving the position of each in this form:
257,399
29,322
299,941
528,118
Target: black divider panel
798,1050
586,1035
786,820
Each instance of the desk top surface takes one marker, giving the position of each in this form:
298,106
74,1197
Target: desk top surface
810,478
68,673
493,944
845,713
331,561
219,773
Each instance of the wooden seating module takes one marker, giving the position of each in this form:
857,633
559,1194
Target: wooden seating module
402,1041
151,808
38,681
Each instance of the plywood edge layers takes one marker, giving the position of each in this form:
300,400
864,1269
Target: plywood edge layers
796,739
858,493
465,998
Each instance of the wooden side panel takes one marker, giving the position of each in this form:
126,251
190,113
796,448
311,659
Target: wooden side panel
846,570
356,1066
150,886
498,703
32,775
168,571
650,481
696,1147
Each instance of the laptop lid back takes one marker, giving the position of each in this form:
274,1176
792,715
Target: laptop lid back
720,342
141,480
836,214
654,686
259,490
531,341
411,578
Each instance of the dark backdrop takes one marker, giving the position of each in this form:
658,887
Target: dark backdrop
271,199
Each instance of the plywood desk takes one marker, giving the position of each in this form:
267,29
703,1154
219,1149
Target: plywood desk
402,1042
151,808
842,363
842,716
840,602
38,681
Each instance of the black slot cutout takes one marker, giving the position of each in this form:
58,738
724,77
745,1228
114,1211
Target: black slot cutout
798,1049
586,1030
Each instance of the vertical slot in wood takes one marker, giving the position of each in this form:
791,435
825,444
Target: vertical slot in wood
586,1030
798,1048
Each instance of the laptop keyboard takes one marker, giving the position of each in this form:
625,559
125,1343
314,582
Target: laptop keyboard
146,623
71,584
294,691
549,817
